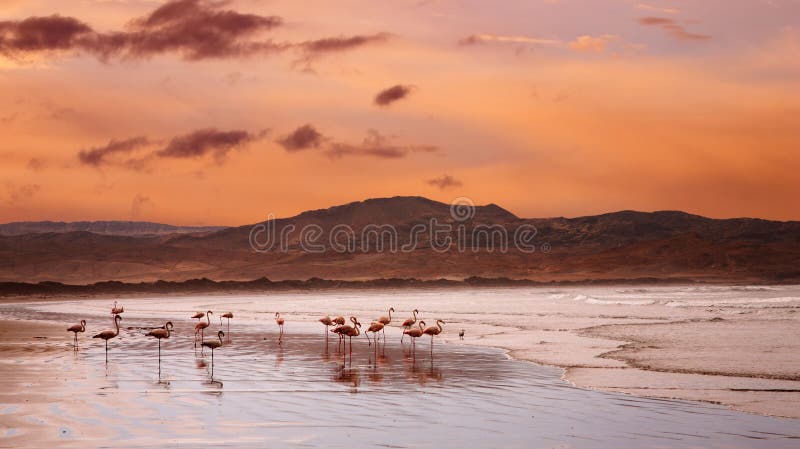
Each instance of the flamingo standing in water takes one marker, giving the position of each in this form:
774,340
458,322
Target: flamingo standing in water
414,333
348,331
375,327
327,321
408,323
214,345
77,328
162,332
227,315
279,321
197,316
117,310
109,334
386,320
434,330
200,327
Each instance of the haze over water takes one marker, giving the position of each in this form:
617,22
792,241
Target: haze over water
297,395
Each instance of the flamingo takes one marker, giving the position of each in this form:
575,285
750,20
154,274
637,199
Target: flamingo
198,315
339,322
348,331
327,321
386,320
414,333
214,345
117,310
227,315
375,327
408,323
200,326
109,334
162,332
77,328
279,321
433,331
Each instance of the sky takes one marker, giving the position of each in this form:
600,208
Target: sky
197,112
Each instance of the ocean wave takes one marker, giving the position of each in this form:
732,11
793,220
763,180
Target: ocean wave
734,302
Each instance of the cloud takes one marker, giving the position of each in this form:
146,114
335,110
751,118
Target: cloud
341,43
97,156
192,145
205,141
444,182
392,94
139,203
646,7
483,38
376,145
673,29
597,44
19,194
302,138
193,29
36,164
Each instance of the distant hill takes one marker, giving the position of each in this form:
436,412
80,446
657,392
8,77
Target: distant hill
128,228
666,245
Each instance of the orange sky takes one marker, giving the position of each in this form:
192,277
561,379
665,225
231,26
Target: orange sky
192,112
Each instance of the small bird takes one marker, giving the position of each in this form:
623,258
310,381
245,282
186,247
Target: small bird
214,345
461,335
109,334
279,321
77,328
159,333
117,310
408,323
433,331
227,315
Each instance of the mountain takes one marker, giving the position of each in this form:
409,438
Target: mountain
665,245
129,228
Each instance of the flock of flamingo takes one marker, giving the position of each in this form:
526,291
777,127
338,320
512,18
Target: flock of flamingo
412,327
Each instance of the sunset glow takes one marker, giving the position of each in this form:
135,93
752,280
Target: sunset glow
115,110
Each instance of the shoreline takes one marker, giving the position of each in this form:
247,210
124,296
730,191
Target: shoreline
633,350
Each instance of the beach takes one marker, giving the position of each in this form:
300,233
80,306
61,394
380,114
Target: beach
640,351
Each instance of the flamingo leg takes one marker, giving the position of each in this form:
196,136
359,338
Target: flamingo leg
212,364
106,351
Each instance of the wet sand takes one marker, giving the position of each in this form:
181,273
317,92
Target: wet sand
295,394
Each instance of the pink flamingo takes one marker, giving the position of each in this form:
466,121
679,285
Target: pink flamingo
200,327
109,334
434,330
414,333
408,323
77,328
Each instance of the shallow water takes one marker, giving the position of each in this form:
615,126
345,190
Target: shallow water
266,394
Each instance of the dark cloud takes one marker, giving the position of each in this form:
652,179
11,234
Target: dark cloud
36,164
392,94
192,145
313,50
42,34
341,43
193,29
672,28
444,182
302,138
96,156
205,141
376,145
